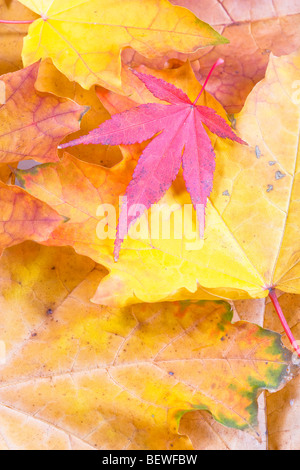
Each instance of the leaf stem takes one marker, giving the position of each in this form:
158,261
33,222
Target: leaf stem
274,299
219,62
16,22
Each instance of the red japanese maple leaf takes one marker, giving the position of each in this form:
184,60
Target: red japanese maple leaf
181,139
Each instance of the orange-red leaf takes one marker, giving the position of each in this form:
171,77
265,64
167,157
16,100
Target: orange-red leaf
23,217
31,123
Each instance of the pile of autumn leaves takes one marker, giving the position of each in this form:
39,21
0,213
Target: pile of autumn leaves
120,370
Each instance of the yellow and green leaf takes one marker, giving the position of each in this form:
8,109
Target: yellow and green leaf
119,378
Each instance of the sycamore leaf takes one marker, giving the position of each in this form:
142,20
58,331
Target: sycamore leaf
254,29
119,378
84,39
252,227
32,123
23,217
11,36
182,140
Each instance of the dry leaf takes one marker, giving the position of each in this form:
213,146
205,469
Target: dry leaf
23,217
118,378
207,434
32,124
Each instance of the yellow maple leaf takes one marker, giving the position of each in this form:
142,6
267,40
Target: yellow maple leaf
118,378
84,38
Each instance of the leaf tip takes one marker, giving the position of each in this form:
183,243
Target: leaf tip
224,40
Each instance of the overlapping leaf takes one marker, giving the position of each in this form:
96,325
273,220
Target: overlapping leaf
254,29
207,434
118,378
182,140
50,80
23,217
32,123
84,39
252,224
12,35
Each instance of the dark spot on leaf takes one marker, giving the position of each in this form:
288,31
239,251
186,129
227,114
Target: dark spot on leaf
270,188
171,373
226,193
49,311
279,175
257,152
272,163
